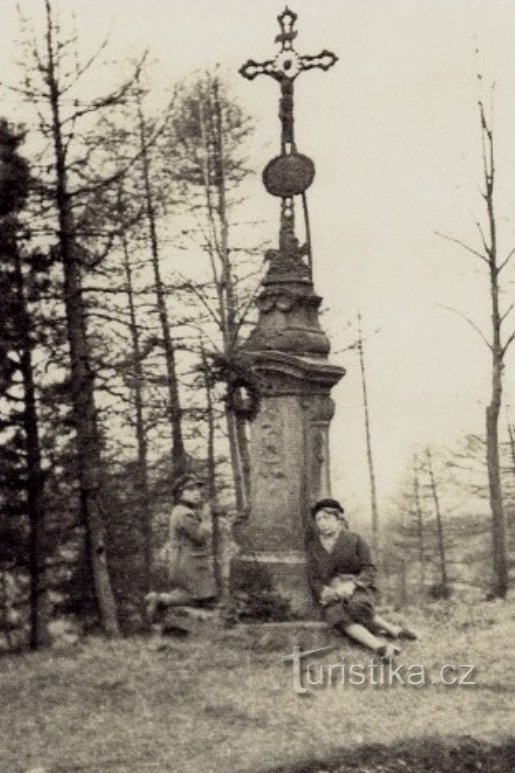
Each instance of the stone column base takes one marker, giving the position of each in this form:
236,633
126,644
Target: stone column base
283,573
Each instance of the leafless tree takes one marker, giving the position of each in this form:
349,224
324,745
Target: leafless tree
49,84
179,458
439,524
497,341
207,133
368,436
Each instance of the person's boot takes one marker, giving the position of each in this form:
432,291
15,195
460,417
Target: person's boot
409,634
151,605
388,652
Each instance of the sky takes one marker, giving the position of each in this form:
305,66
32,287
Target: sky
393,129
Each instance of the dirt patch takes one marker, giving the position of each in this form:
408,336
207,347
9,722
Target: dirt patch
461,755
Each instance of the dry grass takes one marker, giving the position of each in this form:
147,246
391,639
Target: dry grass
225,702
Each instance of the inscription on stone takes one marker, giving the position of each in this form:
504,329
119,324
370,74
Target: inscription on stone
271,456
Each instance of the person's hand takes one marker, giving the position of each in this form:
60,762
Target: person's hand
328,596
206,526
346,589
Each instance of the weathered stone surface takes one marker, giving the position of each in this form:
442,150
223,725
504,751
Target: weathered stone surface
289,472
288,319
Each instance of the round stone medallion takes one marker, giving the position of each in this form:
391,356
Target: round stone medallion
288,175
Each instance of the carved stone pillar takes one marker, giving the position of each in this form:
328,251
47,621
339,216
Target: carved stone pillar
289,440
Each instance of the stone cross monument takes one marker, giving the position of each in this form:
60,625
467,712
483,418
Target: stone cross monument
289,352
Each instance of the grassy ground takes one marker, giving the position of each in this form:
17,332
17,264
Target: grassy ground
225,702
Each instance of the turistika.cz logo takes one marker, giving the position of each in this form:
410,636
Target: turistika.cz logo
308,675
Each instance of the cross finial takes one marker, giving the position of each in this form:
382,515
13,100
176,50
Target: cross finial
285,68
287,21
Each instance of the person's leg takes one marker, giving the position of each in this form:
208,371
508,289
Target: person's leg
361,610
364,627
363,636
395,631
353,619
155,601
390,628
177,597
209,602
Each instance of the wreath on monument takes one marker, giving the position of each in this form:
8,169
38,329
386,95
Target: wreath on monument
243,396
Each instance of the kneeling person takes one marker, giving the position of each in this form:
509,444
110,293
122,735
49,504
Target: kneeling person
190,569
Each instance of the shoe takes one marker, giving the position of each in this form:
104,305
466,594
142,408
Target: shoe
207,603
151,604
408,634
387,652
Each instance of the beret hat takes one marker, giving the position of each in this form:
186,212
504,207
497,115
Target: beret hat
333,504
186,481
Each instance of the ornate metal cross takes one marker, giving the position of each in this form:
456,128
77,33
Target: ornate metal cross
286,66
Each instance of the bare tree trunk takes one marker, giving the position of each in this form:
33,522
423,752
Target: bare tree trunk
403,582
39,636
212,129
500,568
512,444
85,414
5,624
500,584
179,458
439,526
141,435
236,465
227,279
420,530
244,452
402,564
370,459
211,475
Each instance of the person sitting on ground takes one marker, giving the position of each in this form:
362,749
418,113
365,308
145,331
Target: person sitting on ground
342,577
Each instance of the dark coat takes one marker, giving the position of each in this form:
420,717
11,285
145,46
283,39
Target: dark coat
350,555
190,555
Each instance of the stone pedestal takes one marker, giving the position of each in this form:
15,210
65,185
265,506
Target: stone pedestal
289,446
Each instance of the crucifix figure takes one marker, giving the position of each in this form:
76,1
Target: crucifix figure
291,173
286,66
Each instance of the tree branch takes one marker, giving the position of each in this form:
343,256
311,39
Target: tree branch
506,260
485,245
508,310
201,297
465,247
470,322
508,343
